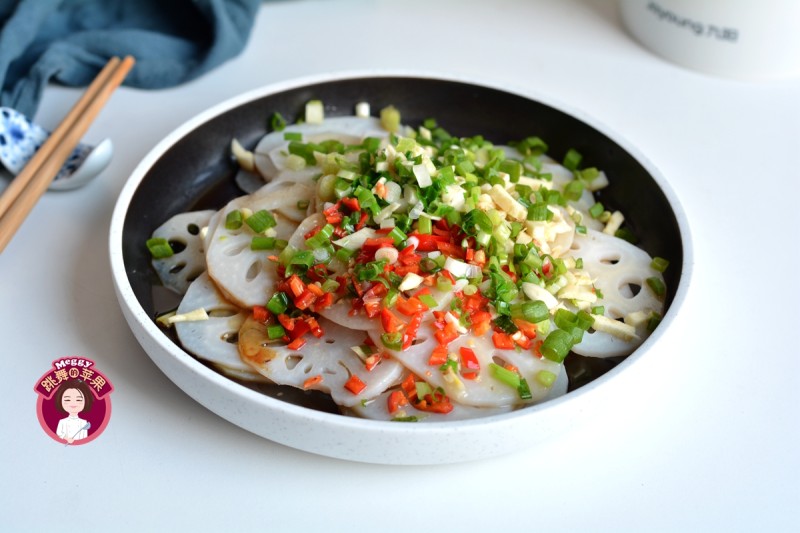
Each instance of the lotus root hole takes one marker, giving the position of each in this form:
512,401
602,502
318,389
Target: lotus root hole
629,290
236,250
177,245
221,312
292,361
252,272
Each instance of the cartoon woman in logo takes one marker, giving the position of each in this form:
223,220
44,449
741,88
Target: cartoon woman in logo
72,398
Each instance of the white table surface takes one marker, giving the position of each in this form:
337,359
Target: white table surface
707,441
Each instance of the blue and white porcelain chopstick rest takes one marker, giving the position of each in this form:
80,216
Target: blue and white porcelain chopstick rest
20,138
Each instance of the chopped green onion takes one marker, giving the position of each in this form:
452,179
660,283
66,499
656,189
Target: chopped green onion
659,264
653,321
545,378
344,255
260,221
588,174
292,136
390,119
342,187
572,159
321,238
531,146
159,248
277,122
451,365
234,220
598,310
596,210
584,320
524,389
504,375
557,345
539,212
626,235
330,285
599,293
262,243
371,144
428,300
505,323
275,331
393,341
424,225
370,271
391,298
410,418
278,303
306,151
398,235
303,258
657,286
423,389
476,220
512,168
530,311
565,319
445,285
367,200
573,190
504,288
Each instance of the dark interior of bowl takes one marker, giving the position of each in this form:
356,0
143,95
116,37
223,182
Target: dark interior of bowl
197,171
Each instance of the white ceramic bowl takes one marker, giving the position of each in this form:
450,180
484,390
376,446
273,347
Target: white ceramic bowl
741,39
194,160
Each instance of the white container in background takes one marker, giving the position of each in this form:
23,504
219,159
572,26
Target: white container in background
744,39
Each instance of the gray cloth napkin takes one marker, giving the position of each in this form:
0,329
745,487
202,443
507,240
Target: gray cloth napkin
69,41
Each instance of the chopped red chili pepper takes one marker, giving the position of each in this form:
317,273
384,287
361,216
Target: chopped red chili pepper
390,322
411,330
395,401
314,327
296,285
323,302
260,313
409,306
310,382
305,299
438,356
372,361
481,322
287,322
362,221
355,385
296,344
502,341
447,335
428,242
351,203
470,366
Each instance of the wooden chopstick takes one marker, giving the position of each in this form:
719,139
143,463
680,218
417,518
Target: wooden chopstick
19,198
